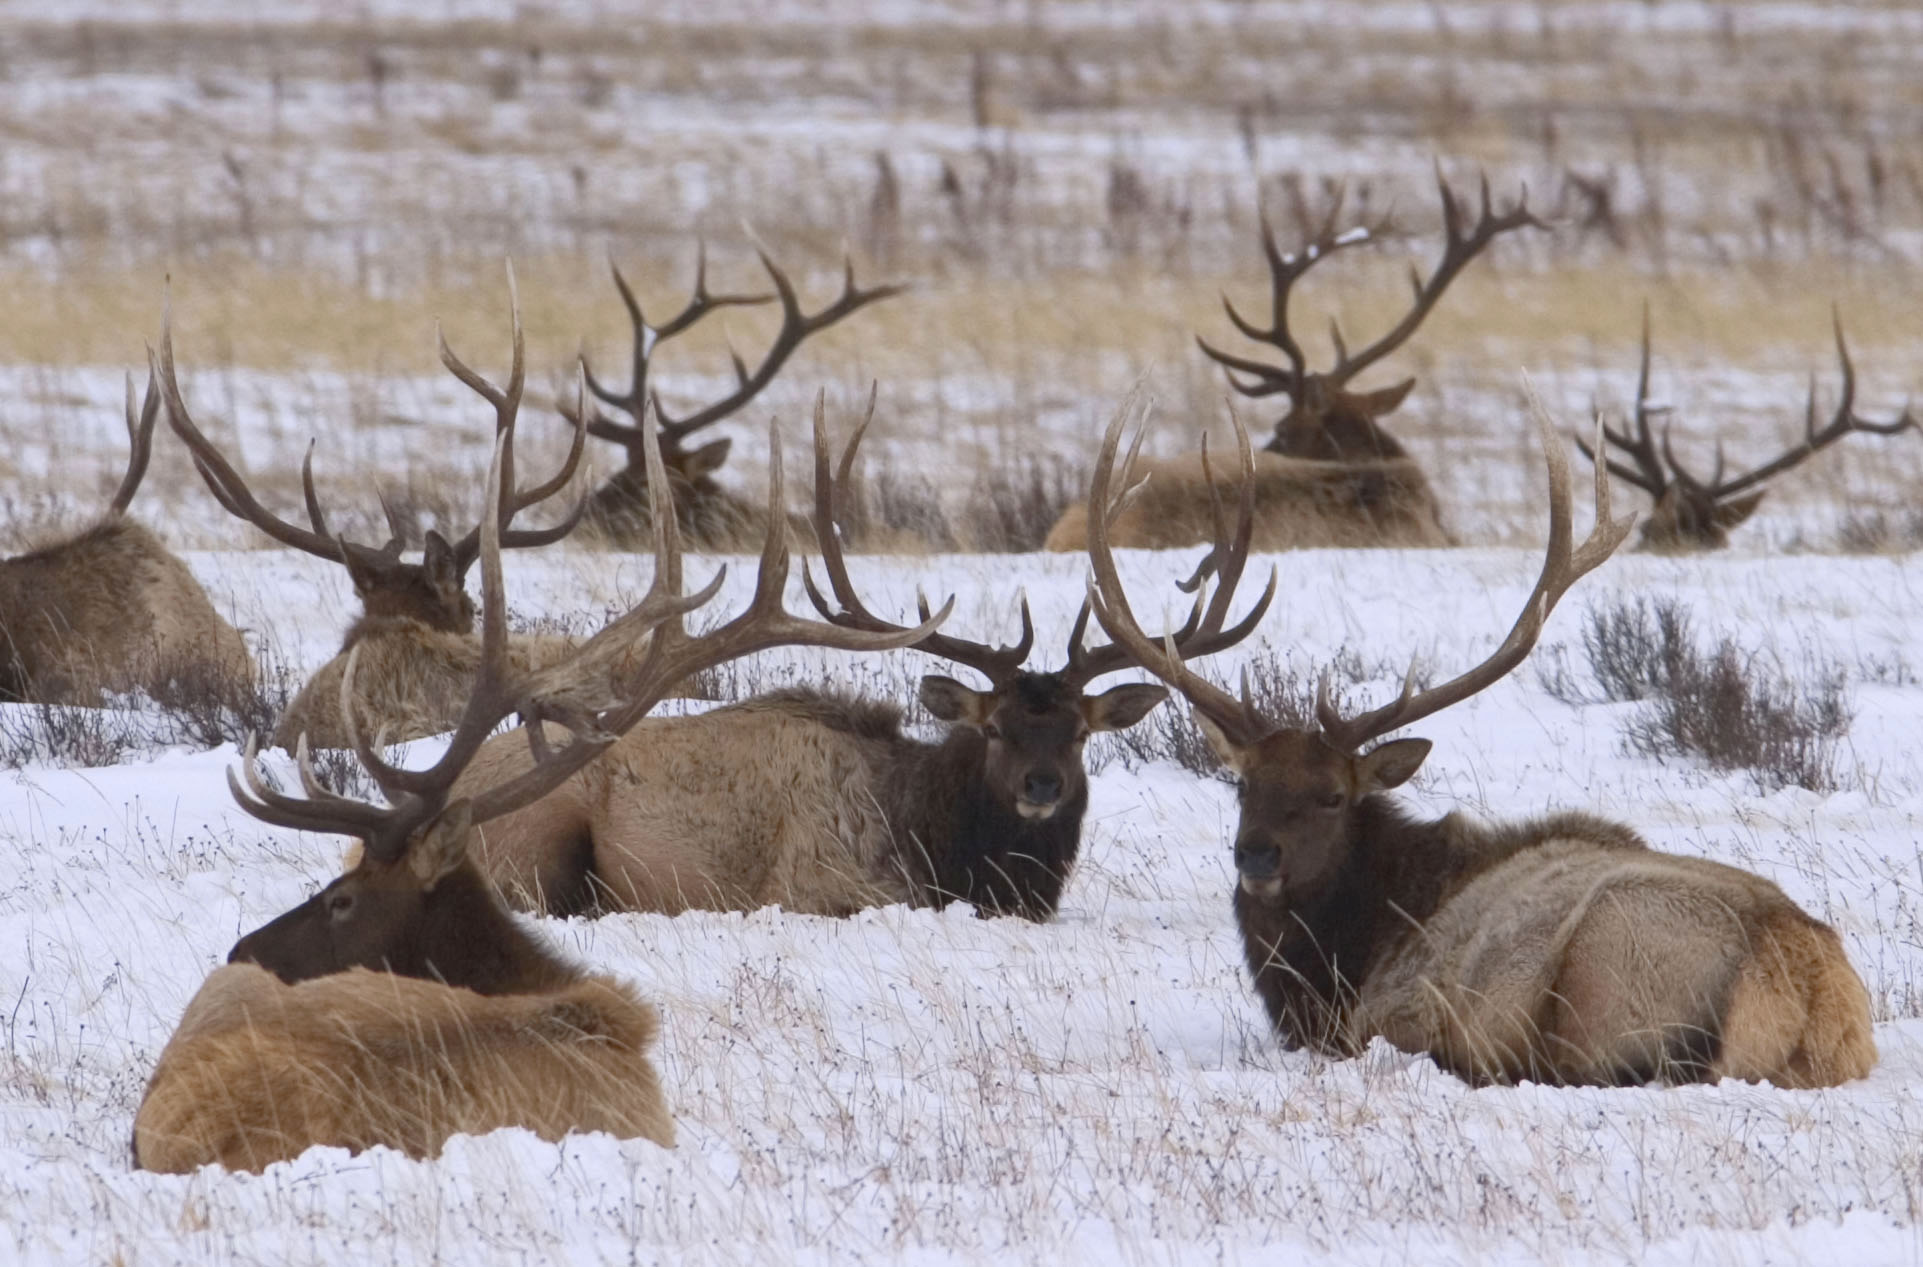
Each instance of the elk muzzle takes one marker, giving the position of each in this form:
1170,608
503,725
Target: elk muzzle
1041,794
1258,866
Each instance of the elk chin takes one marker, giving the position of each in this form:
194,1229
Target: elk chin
1263,888
1035,811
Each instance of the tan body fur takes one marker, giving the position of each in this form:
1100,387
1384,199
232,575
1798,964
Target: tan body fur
1300,504
410,681
110,610
678,817
260,1071
1575,959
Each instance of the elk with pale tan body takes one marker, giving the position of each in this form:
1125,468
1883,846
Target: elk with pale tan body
818,802
1560,949
1693,514
1330,476
416,628
711,517
402,1003
111,609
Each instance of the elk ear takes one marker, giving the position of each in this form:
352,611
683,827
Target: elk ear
949,700
1121,707
365,575
442,847
1375,404
1729,514
706,460
1220,744
1391,764
437,560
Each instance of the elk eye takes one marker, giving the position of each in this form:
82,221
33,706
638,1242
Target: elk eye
339,905
1329,800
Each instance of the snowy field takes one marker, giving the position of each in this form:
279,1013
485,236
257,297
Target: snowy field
920,1087
1069,188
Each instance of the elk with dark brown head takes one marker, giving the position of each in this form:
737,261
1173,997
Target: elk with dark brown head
1694,514
111,609
1561,949
416,627
1330,475
711,517
818,801
402,1003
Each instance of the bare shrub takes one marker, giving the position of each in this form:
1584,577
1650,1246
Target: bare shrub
66,735
1880,532
1632,648
1013,504
1728,707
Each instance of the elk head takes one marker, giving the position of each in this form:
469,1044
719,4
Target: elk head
1326,420
690,468
1032,725
1694,514
1300,790
433,591
414,904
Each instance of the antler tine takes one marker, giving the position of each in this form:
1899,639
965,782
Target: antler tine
1562,566
796,326
1202,633
1842,423
1458,249
1284,272
1649,472
647,338
507,409
253,795
997,664
229,489
140,440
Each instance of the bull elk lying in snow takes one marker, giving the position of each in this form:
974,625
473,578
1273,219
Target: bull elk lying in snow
711,517
111,609
402,1003
1693,514
817,801
1330,476
1561,949
416,628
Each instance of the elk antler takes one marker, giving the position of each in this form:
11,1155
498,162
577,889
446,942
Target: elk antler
1202,633
231,491
1562,567
1648,473
998,664
796,326
560,692
1285,270
140,441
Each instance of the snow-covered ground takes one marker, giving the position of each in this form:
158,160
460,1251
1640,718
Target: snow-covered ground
921,1087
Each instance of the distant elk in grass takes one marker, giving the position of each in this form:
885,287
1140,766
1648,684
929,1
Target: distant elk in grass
712,518
817,801
1560,950
416,628
1330,475
402,1003
111,609
1693,514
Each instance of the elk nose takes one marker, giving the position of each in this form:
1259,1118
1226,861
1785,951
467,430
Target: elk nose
1041,788
1259,859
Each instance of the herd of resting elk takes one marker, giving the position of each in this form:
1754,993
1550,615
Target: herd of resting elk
405,1002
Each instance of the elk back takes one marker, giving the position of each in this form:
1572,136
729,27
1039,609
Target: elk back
110,610
260,1071
746,806
1299,504
1578,962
